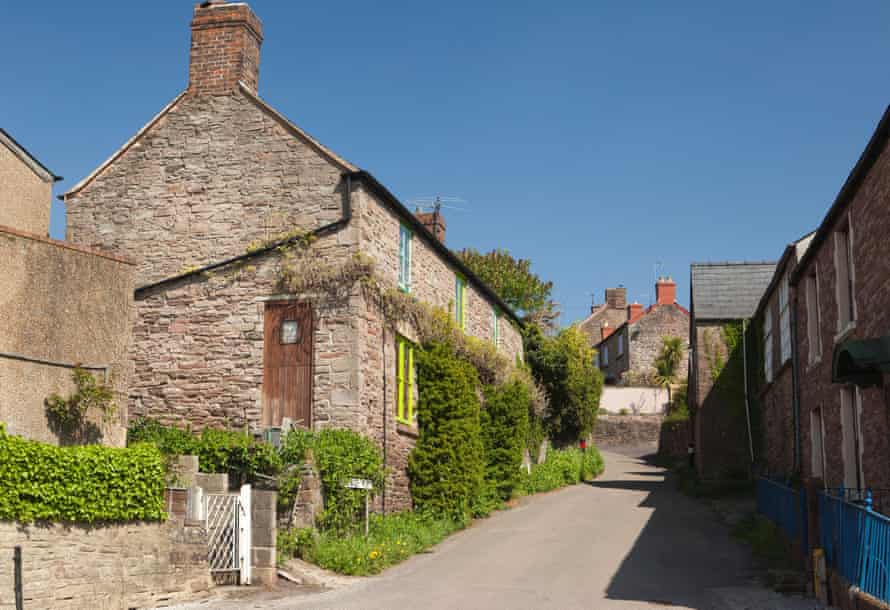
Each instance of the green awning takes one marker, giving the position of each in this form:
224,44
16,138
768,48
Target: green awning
861,362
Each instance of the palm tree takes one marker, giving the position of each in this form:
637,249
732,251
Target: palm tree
668,362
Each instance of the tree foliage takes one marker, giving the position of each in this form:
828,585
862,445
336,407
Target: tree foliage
514,281
565,366
668,362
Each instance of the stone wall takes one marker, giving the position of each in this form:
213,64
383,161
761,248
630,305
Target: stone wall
60,305
198,348
646,336
627,430
869,222
674,439
111,567
213,175
25,197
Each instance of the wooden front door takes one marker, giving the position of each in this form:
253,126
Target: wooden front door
287,364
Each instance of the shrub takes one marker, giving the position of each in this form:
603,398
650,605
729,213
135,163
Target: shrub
447,466
563,467
230,451
339,456
504,431
391,539
40,482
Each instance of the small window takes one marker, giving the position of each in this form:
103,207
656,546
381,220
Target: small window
814,322
605,355
620,345
405,244
405,382
784,321
768,342
460,301
290,332
495,326
843,264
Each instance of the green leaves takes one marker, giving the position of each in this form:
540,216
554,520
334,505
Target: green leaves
563,467
511,278
40,482
564,366
504,432
68,413
447,465
229,451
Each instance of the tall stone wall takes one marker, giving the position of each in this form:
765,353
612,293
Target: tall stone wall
60,306
105,567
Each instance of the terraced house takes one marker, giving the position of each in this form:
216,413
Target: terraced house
214,199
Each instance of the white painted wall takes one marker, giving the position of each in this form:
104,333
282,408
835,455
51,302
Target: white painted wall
635,400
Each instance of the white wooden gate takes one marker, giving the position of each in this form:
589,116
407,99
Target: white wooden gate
228,533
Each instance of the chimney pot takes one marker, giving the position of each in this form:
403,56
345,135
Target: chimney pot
634,311
226,40
665,291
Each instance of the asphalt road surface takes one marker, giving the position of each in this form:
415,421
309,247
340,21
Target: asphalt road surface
629,540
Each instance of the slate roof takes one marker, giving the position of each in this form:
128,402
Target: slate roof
730,290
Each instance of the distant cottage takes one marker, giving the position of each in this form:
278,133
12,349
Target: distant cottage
209,198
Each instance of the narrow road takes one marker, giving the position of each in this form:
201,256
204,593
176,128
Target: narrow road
629,540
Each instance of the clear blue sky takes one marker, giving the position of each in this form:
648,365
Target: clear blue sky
594,138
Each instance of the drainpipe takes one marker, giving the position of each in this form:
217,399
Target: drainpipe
385,421
795,385
745,381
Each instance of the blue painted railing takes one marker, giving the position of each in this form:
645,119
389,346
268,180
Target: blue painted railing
856,540
785,507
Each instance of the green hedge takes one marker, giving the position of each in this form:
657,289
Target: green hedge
447,466
230,451
563,467
40,482
504,433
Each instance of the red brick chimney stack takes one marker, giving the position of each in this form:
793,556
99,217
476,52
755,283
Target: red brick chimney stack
634,311
665,291
226,39
434,222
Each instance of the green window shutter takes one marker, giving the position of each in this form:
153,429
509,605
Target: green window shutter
495,320
460,301
412,416
400,381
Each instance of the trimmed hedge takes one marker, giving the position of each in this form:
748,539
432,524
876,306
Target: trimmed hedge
504,433
230,451
40,482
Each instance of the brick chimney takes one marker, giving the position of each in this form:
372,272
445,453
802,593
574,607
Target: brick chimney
434,222
665,291
606,329
634,311
226,41
616,298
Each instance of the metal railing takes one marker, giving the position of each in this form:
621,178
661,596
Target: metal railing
856,540
784,506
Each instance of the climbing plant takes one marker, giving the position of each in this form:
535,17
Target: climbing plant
69,413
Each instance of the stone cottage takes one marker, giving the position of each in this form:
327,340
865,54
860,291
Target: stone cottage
772,382
210,198
842,288
605,317
723,298
61,305
627,353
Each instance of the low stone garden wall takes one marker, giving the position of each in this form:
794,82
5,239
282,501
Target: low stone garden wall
626,430
674,439
105,567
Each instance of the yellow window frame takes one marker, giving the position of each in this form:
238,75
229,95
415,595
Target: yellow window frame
405,410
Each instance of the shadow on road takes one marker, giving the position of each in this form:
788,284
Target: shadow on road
682,550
